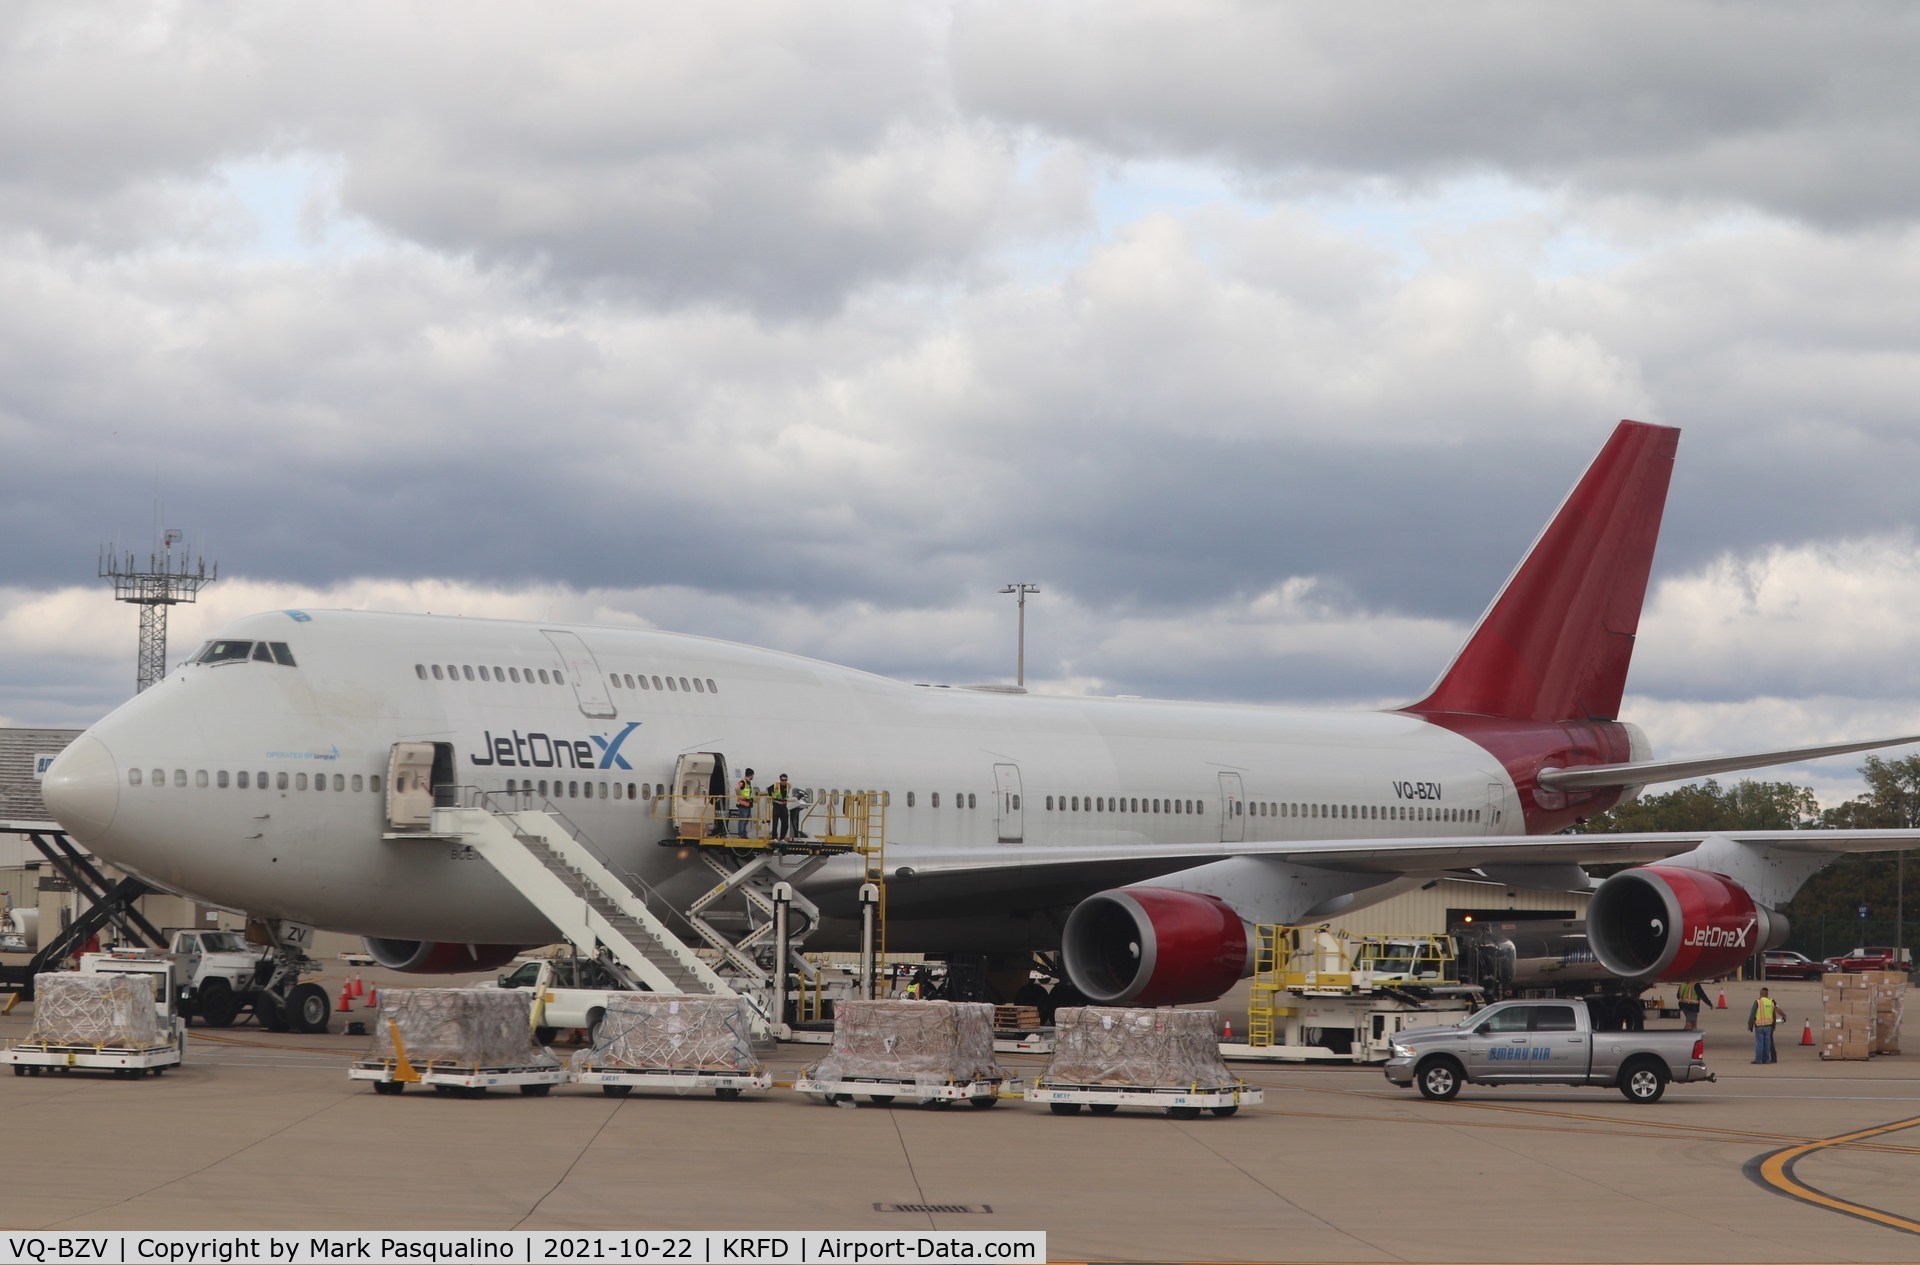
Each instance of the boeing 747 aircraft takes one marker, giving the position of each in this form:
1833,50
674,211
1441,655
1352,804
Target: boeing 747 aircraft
1139,839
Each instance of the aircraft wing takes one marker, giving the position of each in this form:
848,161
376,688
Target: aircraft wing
1052,875
1642,772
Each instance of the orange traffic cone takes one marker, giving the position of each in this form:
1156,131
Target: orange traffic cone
1722,1003
346,998
1806,1033
373,999
1226,1033
359,989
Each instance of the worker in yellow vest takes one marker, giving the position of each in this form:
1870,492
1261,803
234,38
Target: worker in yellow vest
1760,1021
743,793
1689,994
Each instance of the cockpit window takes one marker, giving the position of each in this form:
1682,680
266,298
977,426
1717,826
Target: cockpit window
239,651
261,653
282,655
225,651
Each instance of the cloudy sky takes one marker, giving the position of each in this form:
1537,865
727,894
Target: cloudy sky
1263,337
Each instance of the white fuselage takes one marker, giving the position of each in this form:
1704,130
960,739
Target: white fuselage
962,769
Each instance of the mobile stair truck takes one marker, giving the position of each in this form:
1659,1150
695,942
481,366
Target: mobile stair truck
115,1014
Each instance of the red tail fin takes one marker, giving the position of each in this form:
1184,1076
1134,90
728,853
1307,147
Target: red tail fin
1556,643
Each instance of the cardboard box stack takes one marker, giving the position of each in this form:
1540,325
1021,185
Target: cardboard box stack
1889,990
1846,1023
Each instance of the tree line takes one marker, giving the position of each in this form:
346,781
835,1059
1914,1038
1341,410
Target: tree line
1826,912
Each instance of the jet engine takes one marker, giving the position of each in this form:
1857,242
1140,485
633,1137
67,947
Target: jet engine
427,957
1153,946
1663,922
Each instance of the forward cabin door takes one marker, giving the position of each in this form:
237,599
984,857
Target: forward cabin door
1233,809
410,786
583,671
699,778
1012,820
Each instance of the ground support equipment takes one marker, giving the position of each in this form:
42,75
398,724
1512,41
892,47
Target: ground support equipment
880,1091
392,1076
37,1058
618,1082
1179,1102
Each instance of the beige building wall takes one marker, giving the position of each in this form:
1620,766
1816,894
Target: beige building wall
1425,912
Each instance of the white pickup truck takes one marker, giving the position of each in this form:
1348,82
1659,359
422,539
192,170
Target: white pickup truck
1544,1043
568,993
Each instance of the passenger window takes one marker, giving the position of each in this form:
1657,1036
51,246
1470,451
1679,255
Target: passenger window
159,777
699,686
436,672
1016,803
683,683
573,790
659,789
543,788
299,781
613,679
357,782
468,669
671,686
339,781
482,670
283,654
1553,1019
513,674
220,779
133,777
180,778
645,791
373,783
420,670
934,799
240,780
711,687
970,803
656,683
280,780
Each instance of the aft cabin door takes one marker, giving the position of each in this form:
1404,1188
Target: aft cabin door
1233,809
410,786
1012,819
583,670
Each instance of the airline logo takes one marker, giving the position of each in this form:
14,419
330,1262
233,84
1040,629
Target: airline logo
1719,937
536,750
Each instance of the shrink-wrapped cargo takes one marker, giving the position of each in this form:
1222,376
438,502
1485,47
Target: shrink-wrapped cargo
1128,1046
467,1027
671,1032
925,1042
95,1010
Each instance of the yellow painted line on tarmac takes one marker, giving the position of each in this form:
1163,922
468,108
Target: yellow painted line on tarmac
1776,1172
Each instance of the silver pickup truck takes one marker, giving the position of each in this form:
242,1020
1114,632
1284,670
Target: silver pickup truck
1544,1043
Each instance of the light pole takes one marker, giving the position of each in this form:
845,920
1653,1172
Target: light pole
1022,588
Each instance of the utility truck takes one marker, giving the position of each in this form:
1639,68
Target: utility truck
1544,1043
221,975
568,993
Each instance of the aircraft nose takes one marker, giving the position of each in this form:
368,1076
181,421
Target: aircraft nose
82,789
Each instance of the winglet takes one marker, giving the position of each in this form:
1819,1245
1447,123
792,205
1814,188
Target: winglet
1556,642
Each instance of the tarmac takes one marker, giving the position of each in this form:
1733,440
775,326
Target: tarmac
1796,1161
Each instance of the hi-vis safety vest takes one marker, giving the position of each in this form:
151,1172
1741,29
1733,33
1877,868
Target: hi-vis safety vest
1689,991
777,791
1763,1013
744,793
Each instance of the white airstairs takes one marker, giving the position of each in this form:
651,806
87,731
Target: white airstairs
603,913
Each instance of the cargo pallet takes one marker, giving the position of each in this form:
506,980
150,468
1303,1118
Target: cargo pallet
1180,1103
392,1076
618,1082
881,1091
37,1058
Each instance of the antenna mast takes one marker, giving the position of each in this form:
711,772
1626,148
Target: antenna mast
164,583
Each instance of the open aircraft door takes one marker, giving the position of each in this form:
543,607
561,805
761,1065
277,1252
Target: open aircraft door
1012,821
699,792
583,671
410,786
1233,809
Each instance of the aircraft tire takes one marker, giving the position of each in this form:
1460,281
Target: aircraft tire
309,1008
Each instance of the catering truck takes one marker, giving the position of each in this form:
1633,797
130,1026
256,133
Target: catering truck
1544,1043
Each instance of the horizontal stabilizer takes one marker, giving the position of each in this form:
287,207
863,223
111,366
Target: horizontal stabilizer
1642,772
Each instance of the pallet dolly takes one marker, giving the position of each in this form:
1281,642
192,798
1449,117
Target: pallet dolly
980,1094
618,1082
1180,1104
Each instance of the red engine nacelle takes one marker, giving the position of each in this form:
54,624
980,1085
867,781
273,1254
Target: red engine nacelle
1663,922
428,957
1153,946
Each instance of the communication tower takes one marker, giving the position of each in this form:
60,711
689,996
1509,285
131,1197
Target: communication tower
164,583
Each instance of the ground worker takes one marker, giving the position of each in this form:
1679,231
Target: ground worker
1689,993
1760,1021
780,792
743,801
